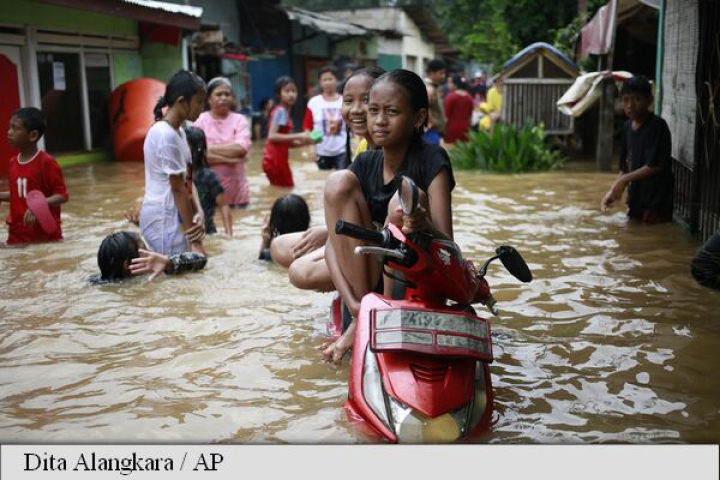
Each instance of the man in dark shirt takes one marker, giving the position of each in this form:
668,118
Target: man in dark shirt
645,162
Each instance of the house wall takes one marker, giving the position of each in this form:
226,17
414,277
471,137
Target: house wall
412,50
679,100
360,48
160,61
263,74
82,37
223,13
390,53
126,66
416,50
390,62
308,42
39,15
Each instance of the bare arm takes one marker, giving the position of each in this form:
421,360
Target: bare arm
226,153
154,264
622,181
277,137
197,206
56,199
434,213
432,97
440,204
183,202
640,174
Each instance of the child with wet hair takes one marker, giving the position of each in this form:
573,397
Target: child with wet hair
365,193
167,218
645,159
289,214
30,170
209,189
124,254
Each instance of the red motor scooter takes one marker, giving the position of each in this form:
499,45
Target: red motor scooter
420,365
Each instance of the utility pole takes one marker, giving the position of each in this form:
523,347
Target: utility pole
606,120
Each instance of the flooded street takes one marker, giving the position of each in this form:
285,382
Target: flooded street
612,342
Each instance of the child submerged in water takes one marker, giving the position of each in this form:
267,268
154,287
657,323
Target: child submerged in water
289,214
365,194
124,254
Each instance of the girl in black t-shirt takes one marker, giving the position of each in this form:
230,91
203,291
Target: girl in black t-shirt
365,193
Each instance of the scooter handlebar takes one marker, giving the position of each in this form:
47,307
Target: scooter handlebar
361,233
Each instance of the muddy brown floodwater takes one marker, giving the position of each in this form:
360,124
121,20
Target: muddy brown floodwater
612,342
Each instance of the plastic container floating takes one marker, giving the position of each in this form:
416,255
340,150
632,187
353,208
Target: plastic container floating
131,116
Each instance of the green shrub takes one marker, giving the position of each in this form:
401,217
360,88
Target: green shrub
508,149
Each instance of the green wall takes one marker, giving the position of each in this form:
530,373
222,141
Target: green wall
160,61
351,48
25,12
126,66
389,62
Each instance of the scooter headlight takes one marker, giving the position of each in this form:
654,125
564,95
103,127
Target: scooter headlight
372,388
413,427
480,397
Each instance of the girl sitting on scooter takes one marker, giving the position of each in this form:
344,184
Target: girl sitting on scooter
365,194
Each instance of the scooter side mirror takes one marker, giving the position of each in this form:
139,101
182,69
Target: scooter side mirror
514,263
408,195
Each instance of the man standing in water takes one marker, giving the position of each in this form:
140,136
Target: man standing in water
645,163
436,74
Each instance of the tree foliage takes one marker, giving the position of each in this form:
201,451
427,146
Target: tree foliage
491,31
488,31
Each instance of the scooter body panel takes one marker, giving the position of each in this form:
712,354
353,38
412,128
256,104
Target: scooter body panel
428,383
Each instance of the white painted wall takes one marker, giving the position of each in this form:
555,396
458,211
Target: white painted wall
415,45
390,46
411,45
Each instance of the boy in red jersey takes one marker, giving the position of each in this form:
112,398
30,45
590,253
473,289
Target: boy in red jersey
31,169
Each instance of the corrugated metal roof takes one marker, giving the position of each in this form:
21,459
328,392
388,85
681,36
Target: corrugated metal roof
188,10
324,23
529,50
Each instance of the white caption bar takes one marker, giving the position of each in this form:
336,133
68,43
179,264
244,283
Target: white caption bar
356,462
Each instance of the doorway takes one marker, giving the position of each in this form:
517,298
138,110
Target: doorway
11,86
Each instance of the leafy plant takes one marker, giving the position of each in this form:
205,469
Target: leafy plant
508,149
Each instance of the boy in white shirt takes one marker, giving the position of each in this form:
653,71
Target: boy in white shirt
324,114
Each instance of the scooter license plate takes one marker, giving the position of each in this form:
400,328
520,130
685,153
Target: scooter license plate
430,332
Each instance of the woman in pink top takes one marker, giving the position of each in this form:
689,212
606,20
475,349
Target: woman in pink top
228,139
